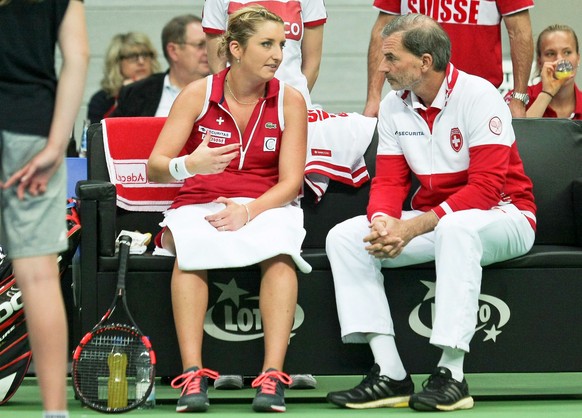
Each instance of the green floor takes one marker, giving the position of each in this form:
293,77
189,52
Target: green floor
497,395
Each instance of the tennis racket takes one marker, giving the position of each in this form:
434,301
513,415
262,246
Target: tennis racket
113,366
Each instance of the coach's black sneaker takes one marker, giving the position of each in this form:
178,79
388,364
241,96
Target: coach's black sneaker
442,393
194,384
375,391
270,396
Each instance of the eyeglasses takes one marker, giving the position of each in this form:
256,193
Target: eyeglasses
198,45
135,56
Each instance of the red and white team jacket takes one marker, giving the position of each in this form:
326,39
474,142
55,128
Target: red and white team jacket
465,159
255,170
336,144
474,27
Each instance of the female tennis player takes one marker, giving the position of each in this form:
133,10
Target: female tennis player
244,133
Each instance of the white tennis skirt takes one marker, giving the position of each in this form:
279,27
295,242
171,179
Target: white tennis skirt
200,246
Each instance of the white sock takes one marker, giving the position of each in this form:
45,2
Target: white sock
386,355
452,359
55,414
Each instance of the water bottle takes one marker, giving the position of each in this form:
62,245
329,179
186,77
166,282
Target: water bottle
117,383
143,380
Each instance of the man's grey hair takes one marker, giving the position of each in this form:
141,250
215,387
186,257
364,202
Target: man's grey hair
422,35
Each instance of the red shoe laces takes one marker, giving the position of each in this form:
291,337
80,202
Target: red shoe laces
190,381
268,381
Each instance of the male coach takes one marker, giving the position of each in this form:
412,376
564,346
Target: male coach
474,207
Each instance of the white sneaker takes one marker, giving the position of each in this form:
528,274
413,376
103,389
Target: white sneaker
303,381
229,381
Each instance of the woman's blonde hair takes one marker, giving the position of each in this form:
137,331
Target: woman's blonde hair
121,45
242,25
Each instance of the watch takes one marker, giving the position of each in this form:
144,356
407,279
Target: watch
524,97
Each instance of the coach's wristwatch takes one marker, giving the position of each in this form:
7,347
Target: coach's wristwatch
524,97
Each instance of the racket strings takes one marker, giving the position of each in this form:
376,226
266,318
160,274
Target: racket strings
106,369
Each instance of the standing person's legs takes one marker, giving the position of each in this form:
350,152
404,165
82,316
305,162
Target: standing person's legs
38,279
34,231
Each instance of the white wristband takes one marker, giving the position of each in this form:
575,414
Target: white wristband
178,168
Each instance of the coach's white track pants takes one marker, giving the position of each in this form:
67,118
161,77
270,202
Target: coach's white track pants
462,242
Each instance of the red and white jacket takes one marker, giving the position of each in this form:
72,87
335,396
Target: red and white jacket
474,27
255,170
462,150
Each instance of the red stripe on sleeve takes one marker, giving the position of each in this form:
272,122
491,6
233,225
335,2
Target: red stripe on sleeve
390,185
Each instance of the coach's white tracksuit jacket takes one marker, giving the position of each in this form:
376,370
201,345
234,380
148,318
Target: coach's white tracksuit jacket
471,176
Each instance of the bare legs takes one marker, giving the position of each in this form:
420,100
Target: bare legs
189,303
39,280
277,301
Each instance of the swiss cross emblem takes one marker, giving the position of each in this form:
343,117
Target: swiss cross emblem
456,139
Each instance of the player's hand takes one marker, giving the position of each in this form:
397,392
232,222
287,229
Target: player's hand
207,160
231,218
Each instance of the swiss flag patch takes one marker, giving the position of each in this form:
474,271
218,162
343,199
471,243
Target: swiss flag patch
456,139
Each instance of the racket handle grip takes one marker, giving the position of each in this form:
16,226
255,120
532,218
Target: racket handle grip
124,246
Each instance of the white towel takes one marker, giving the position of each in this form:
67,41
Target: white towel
200,246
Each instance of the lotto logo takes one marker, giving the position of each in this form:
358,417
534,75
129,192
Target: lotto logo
492,316
236,317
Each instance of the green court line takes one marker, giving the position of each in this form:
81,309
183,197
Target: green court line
500,395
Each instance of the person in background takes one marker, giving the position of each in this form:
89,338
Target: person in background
474,207
238,204
36,121
556,95
304,22
475,32
184,46
130,57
